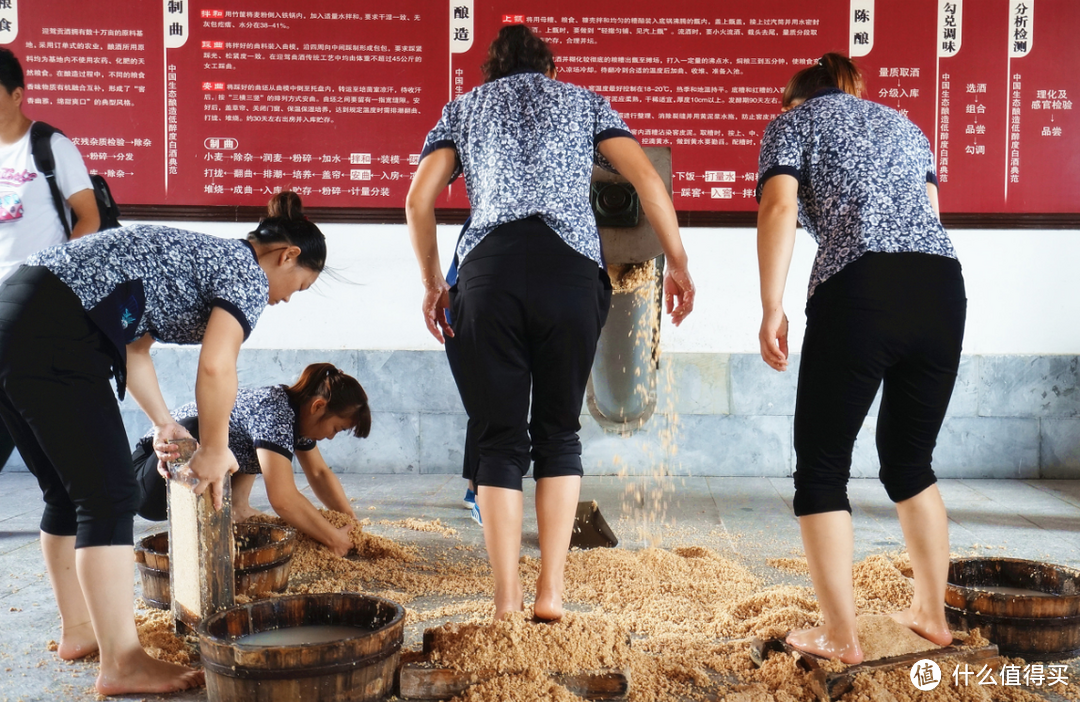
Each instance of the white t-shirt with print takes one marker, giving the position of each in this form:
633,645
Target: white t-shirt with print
28,219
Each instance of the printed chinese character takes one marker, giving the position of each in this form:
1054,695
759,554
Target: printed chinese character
461,12
1055,674
925,675
1010,674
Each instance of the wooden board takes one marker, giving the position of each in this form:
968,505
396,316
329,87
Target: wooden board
831,686
201,575
420,681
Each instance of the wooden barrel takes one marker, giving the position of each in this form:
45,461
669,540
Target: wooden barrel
1030,626
262,561
355,669
152,559
263,558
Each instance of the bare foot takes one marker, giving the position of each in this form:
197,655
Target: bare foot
818,642
243,514
138,672
77,642
931,628
505,606
548,607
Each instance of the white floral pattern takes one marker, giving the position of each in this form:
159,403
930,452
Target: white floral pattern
527,144
862,169
182,276
261,418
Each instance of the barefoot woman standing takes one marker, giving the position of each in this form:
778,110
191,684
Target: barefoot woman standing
886,308
531,293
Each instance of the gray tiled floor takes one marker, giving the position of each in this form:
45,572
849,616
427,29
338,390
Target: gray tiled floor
750,518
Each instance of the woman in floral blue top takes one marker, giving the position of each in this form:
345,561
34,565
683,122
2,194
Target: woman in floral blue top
886,309
75,316
269,425
531,294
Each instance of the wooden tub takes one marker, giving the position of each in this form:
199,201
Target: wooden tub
262,561
1030,626
359,668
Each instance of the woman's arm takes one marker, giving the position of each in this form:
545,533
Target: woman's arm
932,193
323,482
777,218
215,394
431,177
142,383
296,509
629,159
84,205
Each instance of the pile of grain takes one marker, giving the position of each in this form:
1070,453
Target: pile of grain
514,645
435,526
629,277
379,565
157,635
882,637
880,587
677,620
795,566
682,609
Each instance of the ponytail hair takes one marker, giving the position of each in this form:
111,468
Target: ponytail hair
832,70
286,223
516,49
343,394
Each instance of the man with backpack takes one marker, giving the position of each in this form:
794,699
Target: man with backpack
29,216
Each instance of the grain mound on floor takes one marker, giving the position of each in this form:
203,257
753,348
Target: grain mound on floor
689,613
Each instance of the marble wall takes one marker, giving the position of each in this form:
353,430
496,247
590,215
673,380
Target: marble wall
717,415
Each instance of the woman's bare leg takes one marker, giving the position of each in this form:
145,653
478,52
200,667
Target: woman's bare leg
829,543
241,497
926,532
125,666
76,631
503,509
556,505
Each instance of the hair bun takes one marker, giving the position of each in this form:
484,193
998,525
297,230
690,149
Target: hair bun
287,205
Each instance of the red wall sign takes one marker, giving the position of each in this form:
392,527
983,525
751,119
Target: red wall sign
204,103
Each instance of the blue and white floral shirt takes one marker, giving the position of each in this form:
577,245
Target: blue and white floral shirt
862,169
526,145
158,280
261,418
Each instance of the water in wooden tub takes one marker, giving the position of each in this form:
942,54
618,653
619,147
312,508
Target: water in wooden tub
300,635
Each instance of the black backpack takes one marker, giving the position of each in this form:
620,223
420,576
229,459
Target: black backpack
41,147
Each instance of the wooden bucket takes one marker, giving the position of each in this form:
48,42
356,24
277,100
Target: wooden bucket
152,559
262,561
356,669
263,558
1029,626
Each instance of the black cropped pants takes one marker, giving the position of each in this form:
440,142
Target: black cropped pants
58,404
894,320
527,312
